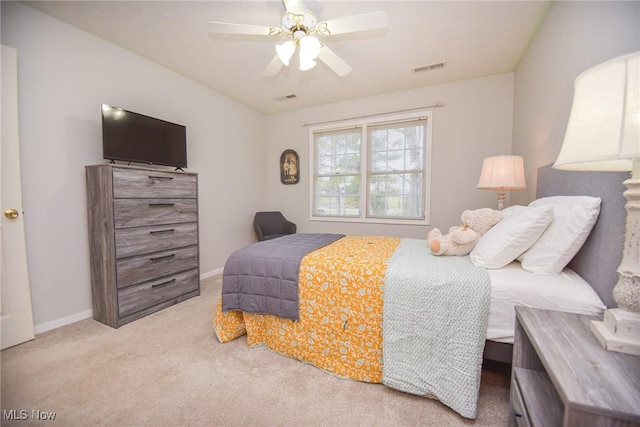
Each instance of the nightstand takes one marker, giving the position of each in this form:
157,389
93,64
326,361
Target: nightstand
562,376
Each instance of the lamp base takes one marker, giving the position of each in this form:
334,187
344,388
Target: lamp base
619,331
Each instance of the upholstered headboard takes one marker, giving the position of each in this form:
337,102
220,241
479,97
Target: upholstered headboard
600,256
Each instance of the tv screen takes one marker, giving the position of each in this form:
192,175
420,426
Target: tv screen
133,137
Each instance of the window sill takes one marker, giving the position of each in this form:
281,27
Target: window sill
393,221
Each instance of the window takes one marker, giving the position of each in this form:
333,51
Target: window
372,170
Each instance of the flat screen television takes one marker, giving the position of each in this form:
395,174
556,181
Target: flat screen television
133,137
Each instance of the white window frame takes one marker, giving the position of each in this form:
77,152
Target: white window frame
364,123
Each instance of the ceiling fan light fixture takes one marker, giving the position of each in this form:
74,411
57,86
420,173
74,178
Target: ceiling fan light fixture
285,51
300,26
309,50
307,64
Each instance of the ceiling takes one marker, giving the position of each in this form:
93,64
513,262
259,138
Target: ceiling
472,38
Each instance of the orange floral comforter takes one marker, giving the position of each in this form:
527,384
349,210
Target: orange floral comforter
340,303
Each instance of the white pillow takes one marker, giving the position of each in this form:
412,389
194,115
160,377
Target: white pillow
519,228
573,219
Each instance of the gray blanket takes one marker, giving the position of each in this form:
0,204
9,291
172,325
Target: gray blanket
262,278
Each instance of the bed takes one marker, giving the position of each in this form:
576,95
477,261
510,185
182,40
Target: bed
343,320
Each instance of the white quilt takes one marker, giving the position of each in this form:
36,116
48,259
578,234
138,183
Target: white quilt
434,325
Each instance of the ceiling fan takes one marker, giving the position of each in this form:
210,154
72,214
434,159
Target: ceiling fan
301,26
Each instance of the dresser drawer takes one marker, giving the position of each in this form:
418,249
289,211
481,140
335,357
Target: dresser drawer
145,295
138,269
145,240
132,183
141,212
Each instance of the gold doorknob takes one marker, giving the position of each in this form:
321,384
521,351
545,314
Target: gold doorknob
11,213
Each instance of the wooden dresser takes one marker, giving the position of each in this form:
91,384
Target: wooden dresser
143,238
563,377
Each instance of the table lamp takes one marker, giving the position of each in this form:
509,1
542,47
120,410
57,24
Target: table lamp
502,173
603,134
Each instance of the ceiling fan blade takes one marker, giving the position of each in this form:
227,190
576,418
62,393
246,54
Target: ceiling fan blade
355,23
273,68
334,62
242,29
294,6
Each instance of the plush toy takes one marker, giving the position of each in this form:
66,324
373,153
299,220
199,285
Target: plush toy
462,238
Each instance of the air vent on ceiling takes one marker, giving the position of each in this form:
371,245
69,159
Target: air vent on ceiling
428,67
286,97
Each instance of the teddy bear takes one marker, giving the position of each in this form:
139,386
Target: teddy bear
461,239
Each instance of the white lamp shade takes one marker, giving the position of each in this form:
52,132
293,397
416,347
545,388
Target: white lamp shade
285,51
603,132
309,50
502,173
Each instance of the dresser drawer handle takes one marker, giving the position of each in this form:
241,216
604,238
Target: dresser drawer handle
160,177
160,258
161,205
170,230
168,282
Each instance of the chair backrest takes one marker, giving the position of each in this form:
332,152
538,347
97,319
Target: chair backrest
270,222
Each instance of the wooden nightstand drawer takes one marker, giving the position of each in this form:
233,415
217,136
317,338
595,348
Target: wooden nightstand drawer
138,269
542,406
518,410
139,297
142,212
143,240
132,183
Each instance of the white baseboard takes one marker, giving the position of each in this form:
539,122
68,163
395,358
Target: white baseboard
48,326
211,273
44,327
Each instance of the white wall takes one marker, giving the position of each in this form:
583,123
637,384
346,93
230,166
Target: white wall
574,36
64,76
475,122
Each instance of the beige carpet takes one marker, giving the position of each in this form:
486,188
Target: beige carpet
168,369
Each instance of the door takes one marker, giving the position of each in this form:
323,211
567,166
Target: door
16,317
